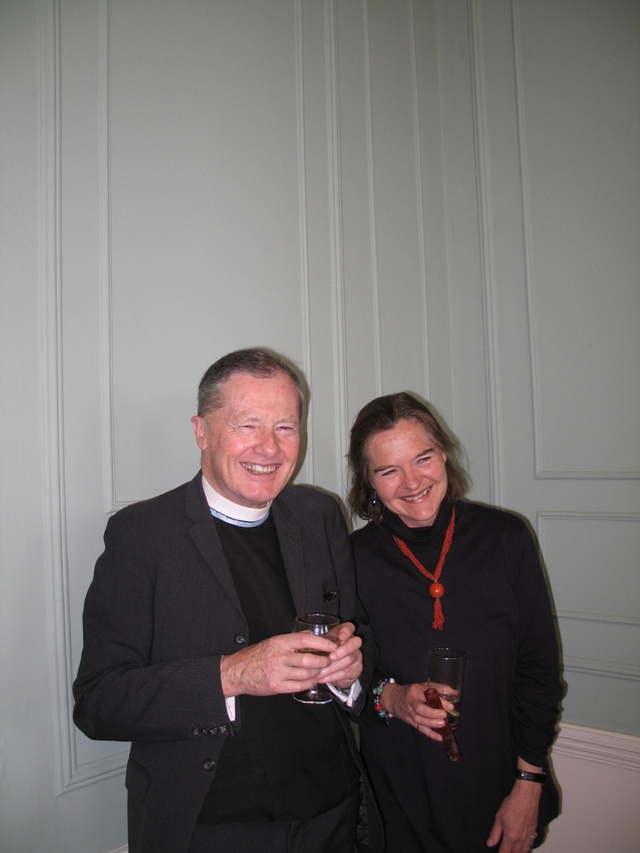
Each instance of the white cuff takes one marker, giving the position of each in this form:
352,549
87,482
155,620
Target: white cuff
347,697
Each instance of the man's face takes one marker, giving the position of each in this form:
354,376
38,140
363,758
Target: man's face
250,445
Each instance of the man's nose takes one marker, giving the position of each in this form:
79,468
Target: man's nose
268,442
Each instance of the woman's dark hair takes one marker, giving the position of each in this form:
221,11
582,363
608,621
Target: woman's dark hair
255,362
382,414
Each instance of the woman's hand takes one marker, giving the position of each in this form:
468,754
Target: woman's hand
517,817
406,701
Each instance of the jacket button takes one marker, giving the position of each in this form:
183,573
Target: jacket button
195,731
239,639
208,764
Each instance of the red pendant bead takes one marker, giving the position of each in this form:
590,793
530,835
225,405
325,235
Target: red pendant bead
436,590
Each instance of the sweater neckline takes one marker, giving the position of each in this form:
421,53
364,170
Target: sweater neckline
420,535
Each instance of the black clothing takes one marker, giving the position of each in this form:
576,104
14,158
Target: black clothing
496,608
161,611
329,832
276,766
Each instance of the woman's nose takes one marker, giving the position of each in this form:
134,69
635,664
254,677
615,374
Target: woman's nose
410,479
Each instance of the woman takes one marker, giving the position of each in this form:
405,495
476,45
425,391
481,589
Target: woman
491,601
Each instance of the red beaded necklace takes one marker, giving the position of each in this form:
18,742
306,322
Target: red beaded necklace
436,590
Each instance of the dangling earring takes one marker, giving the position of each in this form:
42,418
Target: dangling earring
374,498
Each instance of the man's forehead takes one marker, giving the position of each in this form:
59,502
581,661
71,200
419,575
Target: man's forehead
244,392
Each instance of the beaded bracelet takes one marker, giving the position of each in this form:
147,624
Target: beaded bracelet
377,697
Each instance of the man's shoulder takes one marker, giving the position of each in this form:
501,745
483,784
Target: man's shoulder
166,504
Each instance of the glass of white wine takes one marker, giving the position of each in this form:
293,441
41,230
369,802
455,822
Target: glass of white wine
322,625
446,670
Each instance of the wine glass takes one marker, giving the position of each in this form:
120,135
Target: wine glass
446,668
323,625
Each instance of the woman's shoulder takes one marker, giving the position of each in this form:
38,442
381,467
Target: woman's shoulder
367,535
490,517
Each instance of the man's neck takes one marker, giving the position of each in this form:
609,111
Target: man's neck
228,510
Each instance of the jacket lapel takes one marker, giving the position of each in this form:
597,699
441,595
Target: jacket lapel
205,537
290,539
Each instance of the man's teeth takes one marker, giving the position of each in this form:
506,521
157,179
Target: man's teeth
420,496
260,469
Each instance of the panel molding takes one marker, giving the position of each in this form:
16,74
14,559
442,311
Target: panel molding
487,271
304,226
51,296
590,665
112,503
420,191
69,773
375,280
598,617
602,668
599,746
339,337
541,472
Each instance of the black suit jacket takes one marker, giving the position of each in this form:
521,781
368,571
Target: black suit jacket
160,612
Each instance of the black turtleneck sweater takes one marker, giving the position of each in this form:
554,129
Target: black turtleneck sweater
496,608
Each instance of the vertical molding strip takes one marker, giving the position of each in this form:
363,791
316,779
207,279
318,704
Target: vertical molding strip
486,249
51,333
303,227
105,247
526,235
420,194
341,421
375,285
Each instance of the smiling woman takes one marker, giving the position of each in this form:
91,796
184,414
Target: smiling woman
434,570
408,471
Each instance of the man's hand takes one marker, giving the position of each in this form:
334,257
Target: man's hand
280,664
345,665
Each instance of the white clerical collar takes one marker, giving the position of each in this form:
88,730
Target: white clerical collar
241,516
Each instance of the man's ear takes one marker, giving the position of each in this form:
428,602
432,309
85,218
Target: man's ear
199,429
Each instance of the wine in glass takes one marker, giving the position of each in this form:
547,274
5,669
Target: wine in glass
322,625
446,668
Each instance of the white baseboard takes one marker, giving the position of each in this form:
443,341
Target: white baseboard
599,777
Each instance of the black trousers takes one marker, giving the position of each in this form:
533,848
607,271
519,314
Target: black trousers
331,832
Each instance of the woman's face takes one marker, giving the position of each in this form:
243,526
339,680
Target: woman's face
407,470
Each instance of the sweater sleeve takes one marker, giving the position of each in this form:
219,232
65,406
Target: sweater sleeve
537,689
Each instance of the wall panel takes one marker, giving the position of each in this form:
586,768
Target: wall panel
439,195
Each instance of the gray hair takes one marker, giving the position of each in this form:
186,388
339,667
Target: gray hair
255,362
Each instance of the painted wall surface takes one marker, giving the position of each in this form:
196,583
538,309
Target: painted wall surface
433,195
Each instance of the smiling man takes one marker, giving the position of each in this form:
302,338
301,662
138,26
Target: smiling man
188,650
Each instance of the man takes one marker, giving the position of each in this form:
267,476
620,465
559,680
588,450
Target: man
188,650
